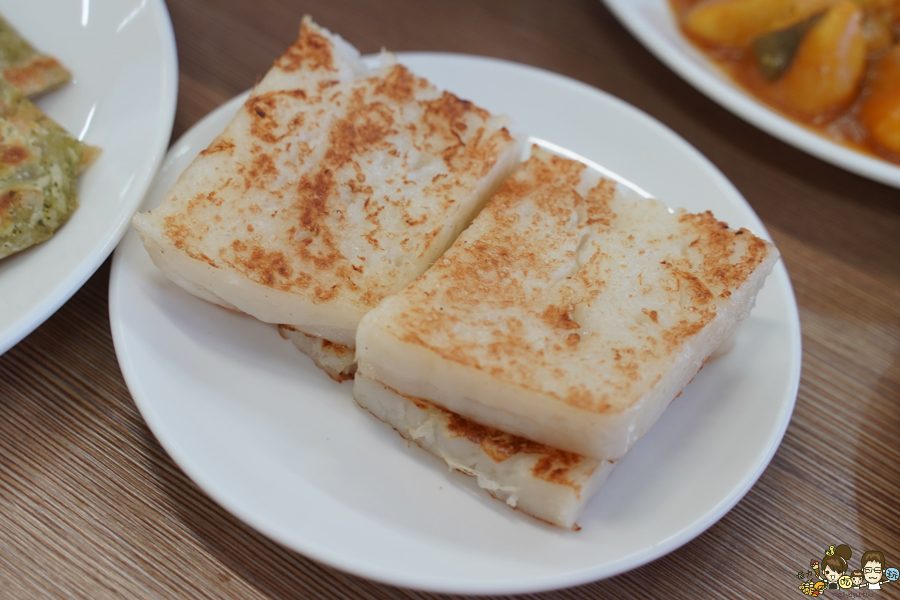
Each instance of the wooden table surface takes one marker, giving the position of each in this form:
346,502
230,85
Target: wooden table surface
92,507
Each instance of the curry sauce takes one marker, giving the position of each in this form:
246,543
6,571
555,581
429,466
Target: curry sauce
841,80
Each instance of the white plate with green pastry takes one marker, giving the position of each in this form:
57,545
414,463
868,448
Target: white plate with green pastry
120,99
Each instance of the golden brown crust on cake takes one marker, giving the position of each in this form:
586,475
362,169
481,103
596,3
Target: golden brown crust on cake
554,466
337,360
541,481
515,297
301,171
312,51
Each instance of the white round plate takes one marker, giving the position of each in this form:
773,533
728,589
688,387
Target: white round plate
653,23
287,450
122,98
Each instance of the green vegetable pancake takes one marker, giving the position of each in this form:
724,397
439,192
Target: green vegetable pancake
26,68
39,167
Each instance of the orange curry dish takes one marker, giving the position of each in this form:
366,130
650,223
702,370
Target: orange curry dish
833,65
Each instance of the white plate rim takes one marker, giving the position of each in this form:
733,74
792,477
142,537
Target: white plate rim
336,559
664,39
45,306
